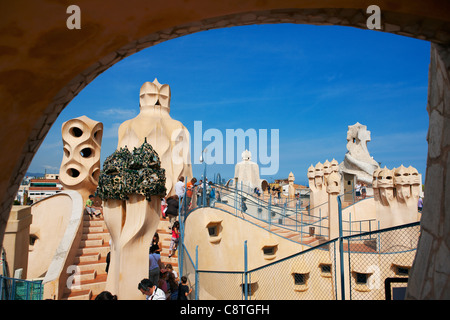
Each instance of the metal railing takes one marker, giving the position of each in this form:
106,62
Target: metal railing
357,271
378,255
353,266
18,289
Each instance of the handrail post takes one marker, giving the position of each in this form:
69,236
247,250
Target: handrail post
235,196
301,226
182,215
245,271
204,186
320,219
341,249
379,238
196,272
269,214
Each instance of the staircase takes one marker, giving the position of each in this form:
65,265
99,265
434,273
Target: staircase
165,235
91,258
90,261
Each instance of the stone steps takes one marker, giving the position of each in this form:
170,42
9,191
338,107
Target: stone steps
165,236
90,277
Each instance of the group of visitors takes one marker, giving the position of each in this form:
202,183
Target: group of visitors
194,193
168,287
163,282
165,290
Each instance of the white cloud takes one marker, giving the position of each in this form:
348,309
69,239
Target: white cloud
118,113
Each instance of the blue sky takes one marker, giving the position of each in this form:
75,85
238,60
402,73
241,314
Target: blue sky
309,82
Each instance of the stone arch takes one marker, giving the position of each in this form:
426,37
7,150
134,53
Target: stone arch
43,66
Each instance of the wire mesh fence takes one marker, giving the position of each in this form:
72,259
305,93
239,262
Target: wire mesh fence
358,265
375,257
188,269
356,270
309,275
221,285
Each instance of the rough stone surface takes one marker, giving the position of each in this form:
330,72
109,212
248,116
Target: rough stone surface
430,274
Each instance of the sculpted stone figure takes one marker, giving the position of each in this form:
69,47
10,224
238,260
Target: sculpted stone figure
326,171
311,176
396,193
80,166
334,166
333,190
291,189
131,186
247,172
318,195
152,153
385,183
168,137
357,160
402,182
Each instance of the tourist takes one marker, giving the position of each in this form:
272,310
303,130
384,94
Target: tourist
420,204
179,187
200,194
212,195
156,243
155,265
208,191
175,238
363,190
169,267
243,205
163,207
162,282
91,209
173,286
190,190
358,191
172,209
183,289
152,292
105,295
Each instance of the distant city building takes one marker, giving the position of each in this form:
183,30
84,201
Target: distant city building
35,189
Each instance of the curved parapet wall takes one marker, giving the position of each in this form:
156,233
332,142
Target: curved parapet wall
56,276
51,217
